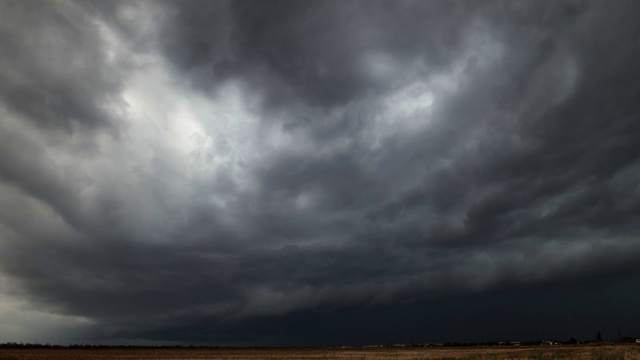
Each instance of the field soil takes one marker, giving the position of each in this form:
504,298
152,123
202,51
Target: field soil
608,352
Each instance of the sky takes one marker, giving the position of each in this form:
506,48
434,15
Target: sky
306,173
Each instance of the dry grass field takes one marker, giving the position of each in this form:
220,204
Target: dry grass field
607,352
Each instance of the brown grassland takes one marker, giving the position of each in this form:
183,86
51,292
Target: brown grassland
603,352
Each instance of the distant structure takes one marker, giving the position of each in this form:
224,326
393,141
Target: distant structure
549,342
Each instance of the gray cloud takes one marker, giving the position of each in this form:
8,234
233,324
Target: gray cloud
56,71
253,172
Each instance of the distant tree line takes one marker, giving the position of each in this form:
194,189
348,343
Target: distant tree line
571,341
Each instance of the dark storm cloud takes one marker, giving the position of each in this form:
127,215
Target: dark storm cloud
311,51
440,155
54,69
58,75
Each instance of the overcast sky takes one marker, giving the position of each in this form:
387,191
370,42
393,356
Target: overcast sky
318,172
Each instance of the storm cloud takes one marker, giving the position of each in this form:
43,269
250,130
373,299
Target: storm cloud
259,172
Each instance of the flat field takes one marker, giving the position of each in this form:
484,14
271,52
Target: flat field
609,352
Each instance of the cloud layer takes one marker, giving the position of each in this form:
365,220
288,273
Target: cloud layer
227,172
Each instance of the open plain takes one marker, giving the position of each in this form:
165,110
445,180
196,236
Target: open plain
608,352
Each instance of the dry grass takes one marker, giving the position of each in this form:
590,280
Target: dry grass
608,352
